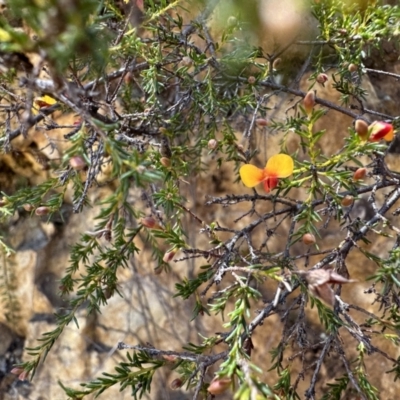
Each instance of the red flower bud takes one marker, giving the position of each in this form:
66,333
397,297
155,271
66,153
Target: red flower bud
361,128
43,210
22,374
352,67
128,78
309,102
347,201
176,384
219,385
308,239
322,78
165,162
77,163
261,122
186,61
212,144
360,174
149,222
28,207
169,256
170,357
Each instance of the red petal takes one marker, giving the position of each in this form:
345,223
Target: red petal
270,183
379,130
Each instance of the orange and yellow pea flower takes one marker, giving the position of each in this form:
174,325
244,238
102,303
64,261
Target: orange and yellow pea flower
381,130
41,102
278,166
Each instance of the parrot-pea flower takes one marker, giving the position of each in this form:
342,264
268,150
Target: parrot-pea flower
42,102
278,166
381,130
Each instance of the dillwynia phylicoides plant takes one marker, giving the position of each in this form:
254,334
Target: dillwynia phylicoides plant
153,89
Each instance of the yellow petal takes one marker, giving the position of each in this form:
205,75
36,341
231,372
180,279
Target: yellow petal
47,99
279,165
40,102
251,175
390,136
4,35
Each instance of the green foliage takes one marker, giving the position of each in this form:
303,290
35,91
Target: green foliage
157,97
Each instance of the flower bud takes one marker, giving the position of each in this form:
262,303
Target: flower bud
165,162
17,370
276,63
186,61
360,174
322,78
308,239
28,207
169,357
22,374
149,222
381,130
43,210
232,21
219,385
251,79
347,201
128,78
169,256
3,202
240,147
261,122
352,67
361,128
77,163
176,384
309,102
212,144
